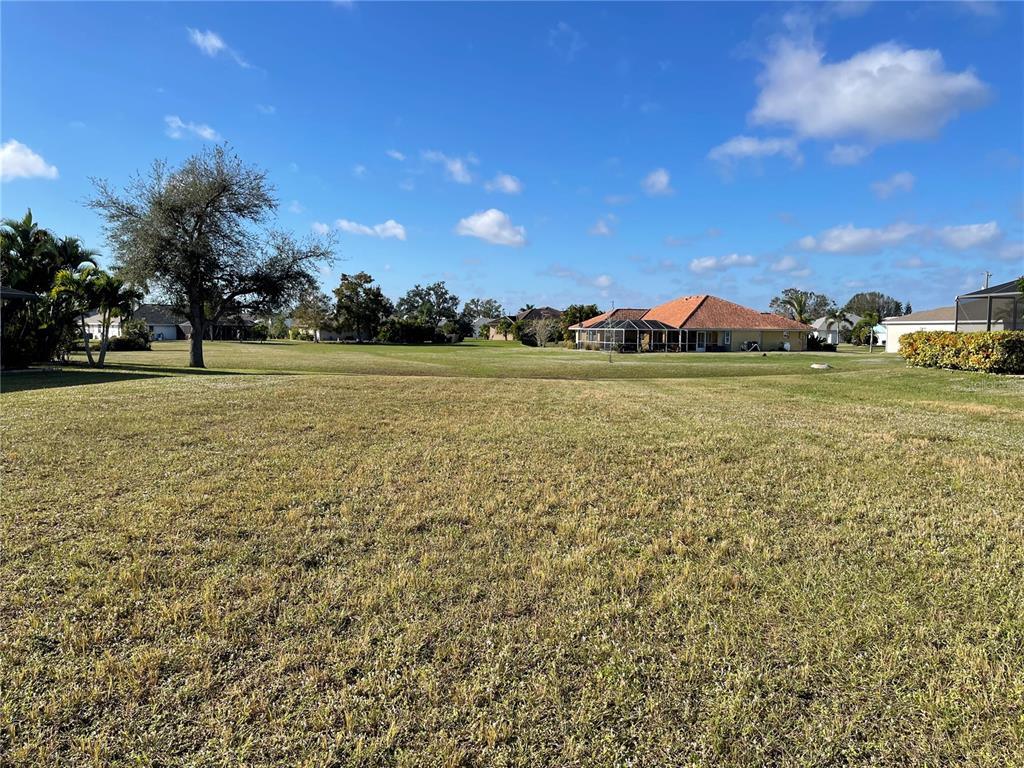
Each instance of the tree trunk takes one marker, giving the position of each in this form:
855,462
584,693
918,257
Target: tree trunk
88,347
195,347
104,338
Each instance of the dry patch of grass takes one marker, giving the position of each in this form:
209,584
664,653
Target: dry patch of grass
369,570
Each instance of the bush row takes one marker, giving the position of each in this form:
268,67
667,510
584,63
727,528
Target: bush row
993,352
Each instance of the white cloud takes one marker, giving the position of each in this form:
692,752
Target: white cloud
177,129
785,264
212,44
848,154
743,147
494,226
266,109
602,227
389,228
886,93
320,228
718,263
407,185
967,236
657,183
295,207
503,182
602,282
359,171
394,154
566,41
898,182
850,239
457,168
18,161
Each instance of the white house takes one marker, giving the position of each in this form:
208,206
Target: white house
941,319
826,330
164,323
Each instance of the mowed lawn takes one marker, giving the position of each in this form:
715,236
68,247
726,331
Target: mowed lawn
492,555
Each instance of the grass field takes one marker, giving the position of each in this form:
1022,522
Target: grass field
493,555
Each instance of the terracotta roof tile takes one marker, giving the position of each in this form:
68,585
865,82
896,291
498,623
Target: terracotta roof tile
702,312
675,312
714,312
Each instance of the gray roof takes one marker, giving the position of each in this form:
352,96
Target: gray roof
938,315
538,313
822,324
165,314
7,292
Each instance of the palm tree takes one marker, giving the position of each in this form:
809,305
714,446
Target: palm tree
797,306
114,299
92,288
837,316
74,292
25,247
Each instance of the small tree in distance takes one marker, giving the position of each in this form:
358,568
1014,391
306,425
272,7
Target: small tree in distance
312,312
360,305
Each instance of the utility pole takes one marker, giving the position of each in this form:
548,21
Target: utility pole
987,276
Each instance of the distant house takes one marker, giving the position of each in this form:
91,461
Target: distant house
691,324
165,323
939,319
524,316
322,334
538,313
996,308
826,330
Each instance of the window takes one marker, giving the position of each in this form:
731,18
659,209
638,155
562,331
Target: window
726,338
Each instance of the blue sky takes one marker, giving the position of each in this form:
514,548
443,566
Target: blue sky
556,153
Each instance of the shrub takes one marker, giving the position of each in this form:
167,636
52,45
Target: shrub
403,331
816,344
992,352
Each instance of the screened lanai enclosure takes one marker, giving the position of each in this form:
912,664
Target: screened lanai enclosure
648,336
999,308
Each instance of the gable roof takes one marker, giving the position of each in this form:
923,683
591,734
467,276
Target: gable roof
938,315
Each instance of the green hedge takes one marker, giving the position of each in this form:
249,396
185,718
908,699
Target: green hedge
995,352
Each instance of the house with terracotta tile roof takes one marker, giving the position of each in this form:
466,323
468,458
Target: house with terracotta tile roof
701,323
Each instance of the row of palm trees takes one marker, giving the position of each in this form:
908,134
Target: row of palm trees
65,276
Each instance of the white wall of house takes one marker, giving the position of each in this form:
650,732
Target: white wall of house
168,332
894,329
